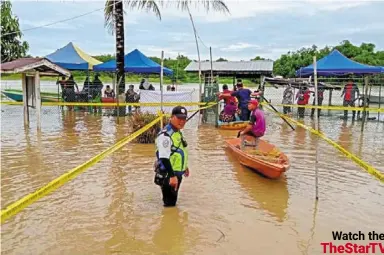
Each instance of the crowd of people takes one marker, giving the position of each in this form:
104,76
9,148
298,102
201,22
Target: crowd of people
92,91
350,94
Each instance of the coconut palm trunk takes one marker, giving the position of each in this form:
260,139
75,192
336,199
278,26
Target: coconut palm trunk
114,20
119,36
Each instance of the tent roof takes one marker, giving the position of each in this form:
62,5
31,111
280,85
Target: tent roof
336,63
135,62
72,57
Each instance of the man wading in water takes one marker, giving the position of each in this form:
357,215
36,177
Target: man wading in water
172,156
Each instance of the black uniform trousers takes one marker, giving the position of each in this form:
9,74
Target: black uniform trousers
169,192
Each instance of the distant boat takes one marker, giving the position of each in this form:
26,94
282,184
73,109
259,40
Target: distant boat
17,95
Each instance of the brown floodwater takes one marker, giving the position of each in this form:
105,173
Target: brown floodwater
224,208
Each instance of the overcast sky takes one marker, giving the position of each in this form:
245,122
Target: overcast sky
265,28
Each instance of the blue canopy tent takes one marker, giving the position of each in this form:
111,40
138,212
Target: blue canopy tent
336,63
72,57
135,62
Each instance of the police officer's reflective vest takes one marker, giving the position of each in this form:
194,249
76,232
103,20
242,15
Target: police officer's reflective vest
179,153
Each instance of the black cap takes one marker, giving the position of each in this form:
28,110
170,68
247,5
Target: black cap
180,112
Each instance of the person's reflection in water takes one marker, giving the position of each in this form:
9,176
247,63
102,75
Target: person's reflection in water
170,237
300,136
345,135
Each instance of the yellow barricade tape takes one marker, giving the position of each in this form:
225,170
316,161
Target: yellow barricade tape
370,169
19,205
337,108
112,104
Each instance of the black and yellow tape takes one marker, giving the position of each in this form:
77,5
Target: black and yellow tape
367,167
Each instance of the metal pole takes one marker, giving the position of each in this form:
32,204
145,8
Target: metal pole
161,87
316,127
210,54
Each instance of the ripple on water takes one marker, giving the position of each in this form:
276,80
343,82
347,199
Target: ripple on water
114,207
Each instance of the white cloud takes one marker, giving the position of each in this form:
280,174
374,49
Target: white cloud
240,46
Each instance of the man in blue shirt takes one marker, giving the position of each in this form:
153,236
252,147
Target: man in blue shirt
243,96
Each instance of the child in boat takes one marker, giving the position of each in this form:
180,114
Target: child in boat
229,112
256,127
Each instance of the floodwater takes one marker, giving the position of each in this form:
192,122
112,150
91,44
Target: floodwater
224,208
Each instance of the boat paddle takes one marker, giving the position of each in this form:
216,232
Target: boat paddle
289,124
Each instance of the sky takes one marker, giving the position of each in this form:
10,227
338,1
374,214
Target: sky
265,28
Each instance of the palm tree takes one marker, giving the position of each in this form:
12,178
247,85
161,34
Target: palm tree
114,21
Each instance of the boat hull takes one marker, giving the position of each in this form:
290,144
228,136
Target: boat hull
234,125
271,167
17,95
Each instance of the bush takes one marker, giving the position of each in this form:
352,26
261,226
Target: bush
139,120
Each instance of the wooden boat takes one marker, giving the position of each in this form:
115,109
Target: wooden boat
268,160
17,95
234,125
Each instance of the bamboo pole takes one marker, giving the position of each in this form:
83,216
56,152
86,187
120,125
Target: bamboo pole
316,127
198,53
365,102
37,99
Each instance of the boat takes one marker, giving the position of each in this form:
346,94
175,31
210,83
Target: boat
234,125
267,160
17,95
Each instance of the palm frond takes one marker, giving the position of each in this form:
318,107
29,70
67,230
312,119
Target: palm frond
109,18
147,5
215,5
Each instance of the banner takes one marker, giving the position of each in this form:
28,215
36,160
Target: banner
151,96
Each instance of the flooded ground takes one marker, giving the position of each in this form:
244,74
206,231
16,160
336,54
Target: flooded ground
115,208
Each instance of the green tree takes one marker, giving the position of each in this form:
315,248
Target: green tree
221,60
11,45
288,63
257,58
105,57
114,20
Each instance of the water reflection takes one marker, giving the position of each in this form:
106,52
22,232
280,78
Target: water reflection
345,135
270,195
300,137
170,237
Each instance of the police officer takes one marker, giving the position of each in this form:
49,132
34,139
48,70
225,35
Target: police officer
172,156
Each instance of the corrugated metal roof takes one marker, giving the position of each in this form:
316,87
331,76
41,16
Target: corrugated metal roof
232,66
43,65
9,66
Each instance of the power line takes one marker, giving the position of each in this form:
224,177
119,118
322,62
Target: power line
56,22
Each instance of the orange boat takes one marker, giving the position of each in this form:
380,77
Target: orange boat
267,160
234,125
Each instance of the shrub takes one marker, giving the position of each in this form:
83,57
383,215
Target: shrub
139,120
